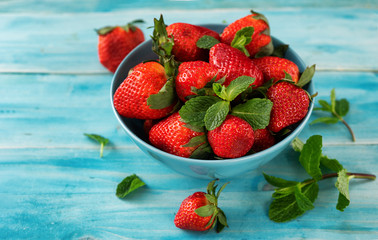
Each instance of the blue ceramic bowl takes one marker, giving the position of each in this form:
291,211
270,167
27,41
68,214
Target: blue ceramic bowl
206,169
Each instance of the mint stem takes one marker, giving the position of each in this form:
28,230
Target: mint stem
101,150
332,175
346,124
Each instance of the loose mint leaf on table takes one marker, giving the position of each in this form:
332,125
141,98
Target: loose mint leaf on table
292,198
128,185
255,111
100,139
310,156
338,110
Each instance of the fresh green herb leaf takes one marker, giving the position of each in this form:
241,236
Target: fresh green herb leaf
292,199
342,184
238,86
338,109
310,156
128,185
255,111
302,200
220,90
100,139
279,182
206,42
216,114
242,38
194,110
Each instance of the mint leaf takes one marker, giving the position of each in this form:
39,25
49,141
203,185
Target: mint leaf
128,185
303,202
165,97
194,110
255,111
331,164
306,76
342,184
338,109
216,114
206,42
326,120
310,156
286,208
279,182
297,144
220,90
242,38
342,107
238,86
342,202
100,139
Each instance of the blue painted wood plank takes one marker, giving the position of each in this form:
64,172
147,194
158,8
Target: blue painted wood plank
66,193
117,5
332,38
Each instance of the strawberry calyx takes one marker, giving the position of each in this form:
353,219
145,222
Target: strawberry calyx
162,45
218,217
129,26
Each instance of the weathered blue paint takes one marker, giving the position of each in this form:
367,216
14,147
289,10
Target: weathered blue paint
53,185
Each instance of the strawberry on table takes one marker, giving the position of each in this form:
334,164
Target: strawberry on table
195,74
130,98
185,37
232,139
200,211
261,43
170,135
290,105
115,42
275,68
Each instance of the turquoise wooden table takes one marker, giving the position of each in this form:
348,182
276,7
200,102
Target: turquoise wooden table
54,185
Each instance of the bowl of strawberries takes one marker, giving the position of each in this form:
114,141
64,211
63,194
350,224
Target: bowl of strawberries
215,100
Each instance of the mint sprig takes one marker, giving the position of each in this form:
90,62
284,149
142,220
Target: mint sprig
100,139
128,185
294,198
211,111
338,110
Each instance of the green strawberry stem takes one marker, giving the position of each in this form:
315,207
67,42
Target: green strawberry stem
346,124
332,175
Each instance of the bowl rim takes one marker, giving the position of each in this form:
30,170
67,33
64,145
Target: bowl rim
150,147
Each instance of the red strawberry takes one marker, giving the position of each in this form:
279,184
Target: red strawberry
261,40
232,139
114,43
263,140
199,211
193,74
232,63
275,68
170,136
185,38
130,99
290,105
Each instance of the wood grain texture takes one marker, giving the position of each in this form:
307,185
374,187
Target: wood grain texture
54,185
56,43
